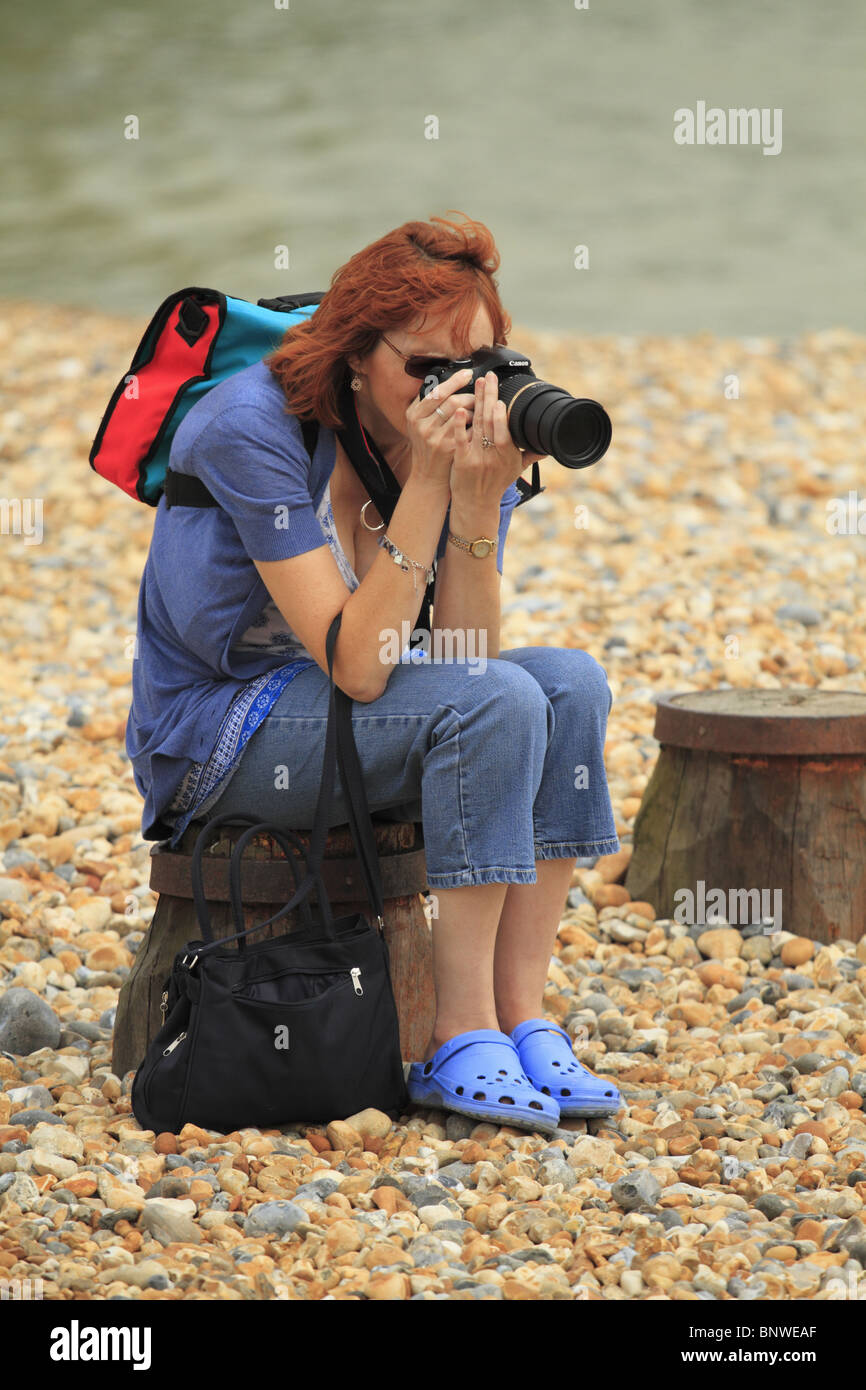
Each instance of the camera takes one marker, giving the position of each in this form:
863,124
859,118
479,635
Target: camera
542,418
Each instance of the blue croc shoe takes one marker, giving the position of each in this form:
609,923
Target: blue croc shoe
548,1059
480,1074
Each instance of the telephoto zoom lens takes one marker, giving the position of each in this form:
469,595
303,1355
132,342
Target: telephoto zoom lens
547,420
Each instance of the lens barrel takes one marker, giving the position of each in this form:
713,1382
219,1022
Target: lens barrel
547,420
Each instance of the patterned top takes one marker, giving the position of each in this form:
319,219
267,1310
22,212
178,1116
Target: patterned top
206,781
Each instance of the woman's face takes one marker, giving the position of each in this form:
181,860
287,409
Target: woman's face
387,391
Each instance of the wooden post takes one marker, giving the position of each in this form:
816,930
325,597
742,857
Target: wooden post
759,789
267,885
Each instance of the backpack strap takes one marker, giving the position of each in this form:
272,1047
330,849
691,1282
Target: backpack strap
183,490
284,303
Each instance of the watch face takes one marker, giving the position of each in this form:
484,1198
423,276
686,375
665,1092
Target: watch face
481,548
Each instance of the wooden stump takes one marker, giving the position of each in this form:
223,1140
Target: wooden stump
758,789
267,885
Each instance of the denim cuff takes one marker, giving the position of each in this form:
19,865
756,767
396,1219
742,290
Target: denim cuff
466,878
576,849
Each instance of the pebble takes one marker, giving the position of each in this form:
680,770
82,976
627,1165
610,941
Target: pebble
797,950
12,890
279,1218
370,1124
720,943
799,613
556,1171
30,1118
169,1219
636,1191
342,1135
27,1022
147,1274
21,1192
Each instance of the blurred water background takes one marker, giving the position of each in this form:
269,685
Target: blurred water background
305,127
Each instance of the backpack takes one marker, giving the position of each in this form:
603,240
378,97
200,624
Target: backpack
197,338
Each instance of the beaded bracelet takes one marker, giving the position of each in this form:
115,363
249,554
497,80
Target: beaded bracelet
404,562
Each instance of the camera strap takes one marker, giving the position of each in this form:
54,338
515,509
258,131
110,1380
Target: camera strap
366,458
372,468
529,490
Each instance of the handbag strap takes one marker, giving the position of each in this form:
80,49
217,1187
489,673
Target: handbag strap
282,836
354,792
236,864
207,835
339,737
359,813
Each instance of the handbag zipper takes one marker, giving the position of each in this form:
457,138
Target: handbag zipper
163,1005
354,972
172,1045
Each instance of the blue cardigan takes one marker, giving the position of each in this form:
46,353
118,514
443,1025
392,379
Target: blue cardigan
200,590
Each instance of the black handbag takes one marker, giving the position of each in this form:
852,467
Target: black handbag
300,1027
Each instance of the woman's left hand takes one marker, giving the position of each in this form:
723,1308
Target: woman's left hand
480,474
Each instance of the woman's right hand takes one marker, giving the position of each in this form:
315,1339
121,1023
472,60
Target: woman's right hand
431,431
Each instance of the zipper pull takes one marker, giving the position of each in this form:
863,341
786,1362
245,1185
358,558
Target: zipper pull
163,1007
356,979
179,1039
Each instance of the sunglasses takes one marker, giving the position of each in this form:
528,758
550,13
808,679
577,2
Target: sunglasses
420,365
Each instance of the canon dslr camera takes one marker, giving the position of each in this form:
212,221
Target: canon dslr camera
542,418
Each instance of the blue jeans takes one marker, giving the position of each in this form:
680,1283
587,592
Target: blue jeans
501,764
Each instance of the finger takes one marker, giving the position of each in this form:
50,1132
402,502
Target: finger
478,411
498,416
492,425
444,411
462,436
493,420
501,433
479,419
443,390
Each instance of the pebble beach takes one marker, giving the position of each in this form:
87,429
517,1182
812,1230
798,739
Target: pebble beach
712,546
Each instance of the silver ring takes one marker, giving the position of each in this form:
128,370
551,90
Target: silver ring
485,442
440,411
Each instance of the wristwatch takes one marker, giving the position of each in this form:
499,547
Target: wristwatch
480,547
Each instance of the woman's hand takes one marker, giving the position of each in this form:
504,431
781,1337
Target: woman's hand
480,474
431,428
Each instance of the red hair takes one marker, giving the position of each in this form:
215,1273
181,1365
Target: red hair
418,268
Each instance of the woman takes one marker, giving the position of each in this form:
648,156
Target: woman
237,600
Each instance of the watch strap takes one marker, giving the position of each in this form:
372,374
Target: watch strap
463,544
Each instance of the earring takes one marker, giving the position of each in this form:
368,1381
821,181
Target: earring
356,383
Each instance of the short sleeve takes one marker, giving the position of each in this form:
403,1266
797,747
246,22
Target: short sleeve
258,470
508,502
